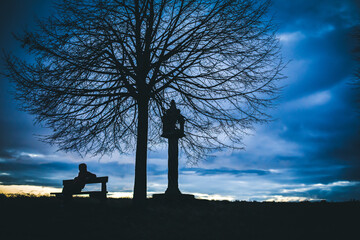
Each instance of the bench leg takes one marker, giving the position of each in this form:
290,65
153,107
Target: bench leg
101,196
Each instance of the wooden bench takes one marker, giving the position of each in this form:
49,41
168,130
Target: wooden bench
92,194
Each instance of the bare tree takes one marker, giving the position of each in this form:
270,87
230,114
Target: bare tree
105,70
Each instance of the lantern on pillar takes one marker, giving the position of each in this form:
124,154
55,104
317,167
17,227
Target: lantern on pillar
173,122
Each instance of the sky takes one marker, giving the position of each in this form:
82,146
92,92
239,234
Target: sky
310,151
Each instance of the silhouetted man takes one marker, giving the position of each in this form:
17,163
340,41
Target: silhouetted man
79,182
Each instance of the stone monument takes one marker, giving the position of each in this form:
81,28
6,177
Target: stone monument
173,129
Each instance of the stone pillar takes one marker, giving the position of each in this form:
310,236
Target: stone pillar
173,167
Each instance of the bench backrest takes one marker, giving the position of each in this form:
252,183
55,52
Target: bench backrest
94,180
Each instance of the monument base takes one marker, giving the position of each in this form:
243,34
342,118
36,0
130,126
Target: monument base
173,197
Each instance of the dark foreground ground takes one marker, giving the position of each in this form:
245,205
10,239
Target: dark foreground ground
47,218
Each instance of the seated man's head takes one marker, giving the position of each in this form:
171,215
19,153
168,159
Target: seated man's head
82,167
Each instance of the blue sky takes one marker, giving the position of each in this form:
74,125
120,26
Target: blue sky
310,151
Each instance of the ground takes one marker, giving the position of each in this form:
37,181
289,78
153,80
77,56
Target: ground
28,217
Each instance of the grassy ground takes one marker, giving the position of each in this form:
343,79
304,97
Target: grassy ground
24,217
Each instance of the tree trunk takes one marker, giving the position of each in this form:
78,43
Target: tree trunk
140,186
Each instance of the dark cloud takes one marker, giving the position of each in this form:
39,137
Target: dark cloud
327,132
327,62
6,154
203,172
16,128
31,173
312,16
330,193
